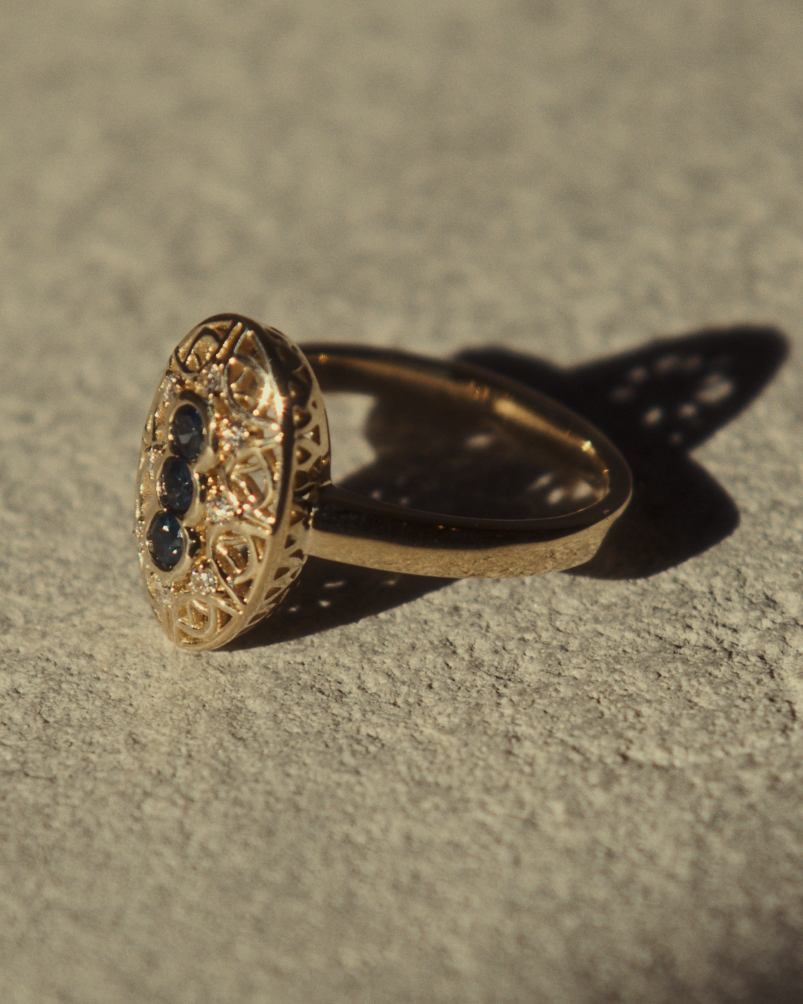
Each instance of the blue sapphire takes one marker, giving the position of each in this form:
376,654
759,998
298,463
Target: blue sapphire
187,433
165,541
175,485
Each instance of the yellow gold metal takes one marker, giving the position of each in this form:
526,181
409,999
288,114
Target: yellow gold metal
244,538
262,498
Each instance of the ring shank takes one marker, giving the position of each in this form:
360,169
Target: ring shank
359,530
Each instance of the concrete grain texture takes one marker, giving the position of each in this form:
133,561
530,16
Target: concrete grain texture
573,789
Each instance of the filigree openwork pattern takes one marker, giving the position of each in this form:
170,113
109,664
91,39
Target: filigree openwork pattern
233,454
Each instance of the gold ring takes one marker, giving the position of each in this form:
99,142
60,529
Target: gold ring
234,488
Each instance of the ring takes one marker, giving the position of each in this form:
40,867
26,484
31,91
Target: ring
234,488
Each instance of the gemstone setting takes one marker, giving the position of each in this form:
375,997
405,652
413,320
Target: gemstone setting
203,580
165,541
187,433
176,486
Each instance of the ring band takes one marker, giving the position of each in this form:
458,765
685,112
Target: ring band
234,491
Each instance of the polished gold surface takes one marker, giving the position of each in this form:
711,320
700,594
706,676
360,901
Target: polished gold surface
262,500
362,531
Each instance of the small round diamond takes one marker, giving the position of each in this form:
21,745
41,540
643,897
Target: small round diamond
154,458
203,580
232,437
187,433
219,509
165,541
161,593
210,381
176,485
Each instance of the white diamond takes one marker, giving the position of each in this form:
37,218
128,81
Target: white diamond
210,381
232,437
168,386
203,580
159,591
220,510
169,390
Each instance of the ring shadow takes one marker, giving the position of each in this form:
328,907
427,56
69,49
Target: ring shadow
656,403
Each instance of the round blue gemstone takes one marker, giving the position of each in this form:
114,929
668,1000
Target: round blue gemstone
187,433
165,541
175,485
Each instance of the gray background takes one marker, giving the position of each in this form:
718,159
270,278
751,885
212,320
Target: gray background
578,788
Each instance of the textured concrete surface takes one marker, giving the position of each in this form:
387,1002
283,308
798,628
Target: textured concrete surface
575,789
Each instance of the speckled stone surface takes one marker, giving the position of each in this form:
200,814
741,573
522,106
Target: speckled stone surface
573,789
